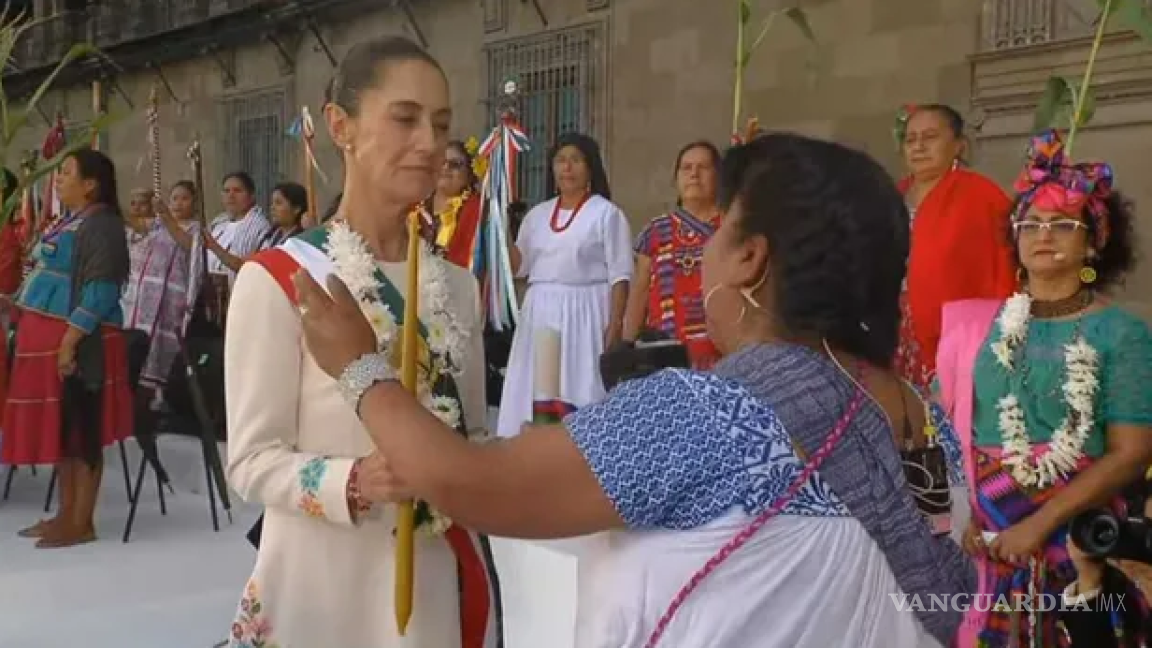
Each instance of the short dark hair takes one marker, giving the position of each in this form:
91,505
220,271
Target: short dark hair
295,194
837,231
94,165
243,178
360,68
1119,256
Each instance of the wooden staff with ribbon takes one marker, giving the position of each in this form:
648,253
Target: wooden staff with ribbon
405,556
308,133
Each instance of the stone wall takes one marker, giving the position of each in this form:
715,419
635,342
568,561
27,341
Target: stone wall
669,80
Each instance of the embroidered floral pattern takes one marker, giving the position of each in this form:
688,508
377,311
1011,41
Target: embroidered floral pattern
310,477
251,629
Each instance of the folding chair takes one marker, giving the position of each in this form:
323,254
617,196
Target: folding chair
195,395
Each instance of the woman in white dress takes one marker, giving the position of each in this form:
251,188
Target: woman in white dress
576,253
325,573
760,505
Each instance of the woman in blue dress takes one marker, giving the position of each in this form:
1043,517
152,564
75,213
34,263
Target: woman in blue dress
70,395
762,504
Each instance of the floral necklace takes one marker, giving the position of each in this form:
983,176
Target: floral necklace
555,220
447,339
1080,386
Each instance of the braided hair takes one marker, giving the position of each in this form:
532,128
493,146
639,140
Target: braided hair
837,232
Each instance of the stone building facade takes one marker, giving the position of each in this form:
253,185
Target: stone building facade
644,76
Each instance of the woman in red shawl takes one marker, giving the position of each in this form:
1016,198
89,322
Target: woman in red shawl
960,237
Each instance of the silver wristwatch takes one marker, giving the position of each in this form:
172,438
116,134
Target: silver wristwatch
361,375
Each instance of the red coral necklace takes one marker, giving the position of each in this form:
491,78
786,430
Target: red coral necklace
556,226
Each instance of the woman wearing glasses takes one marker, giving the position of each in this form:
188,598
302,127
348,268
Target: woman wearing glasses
1050,391
453,212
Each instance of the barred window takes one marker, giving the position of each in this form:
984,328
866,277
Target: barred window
1010,24
560,76
256,141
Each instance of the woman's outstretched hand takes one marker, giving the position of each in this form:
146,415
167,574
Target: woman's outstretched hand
335,329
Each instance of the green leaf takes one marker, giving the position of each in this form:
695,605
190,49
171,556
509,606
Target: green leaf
1089,109
800,19
1057,93
98,124
76,52
1135,15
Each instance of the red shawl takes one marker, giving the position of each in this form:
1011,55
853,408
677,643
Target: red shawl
460,248
960,250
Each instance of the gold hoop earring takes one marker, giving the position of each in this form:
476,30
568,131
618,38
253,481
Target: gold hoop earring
743,313
1088,275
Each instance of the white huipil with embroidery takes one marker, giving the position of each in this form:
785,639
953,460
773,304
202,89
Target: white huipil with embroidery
321,579
570,277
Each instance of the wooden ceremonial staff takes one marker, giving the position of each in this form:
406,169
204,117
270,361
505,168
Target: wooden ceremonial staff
154,141
97,110
406,511
307,133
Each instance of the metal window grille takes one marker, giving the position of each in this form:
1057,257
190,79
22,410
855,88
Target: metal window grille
561,80
256,140
1010,24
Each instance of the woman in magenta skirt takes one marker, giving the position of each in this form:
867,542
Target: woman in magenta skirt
69,396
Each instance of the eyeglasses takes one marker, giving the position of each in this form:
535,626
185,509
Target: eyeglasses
1062,227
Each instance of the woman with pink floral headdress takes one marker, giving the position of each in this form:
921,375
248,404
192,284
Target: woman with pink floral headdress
1050,391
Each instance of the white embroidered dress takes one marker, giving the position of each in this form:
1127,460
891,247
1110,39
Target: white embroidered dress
689,459
570,278
320,579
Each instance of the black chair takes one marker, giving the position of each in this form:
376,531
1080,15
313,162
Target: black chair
195,398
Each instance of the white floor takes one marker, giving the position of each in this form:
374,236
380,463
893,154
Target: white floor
175,584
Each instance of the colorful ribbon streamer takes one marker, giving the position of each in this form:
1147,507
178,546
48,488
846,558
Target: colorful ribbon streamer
303,128
498,190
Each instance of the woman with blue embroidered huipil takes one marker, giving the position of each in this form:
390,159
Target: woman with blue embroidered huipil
70,395
761,504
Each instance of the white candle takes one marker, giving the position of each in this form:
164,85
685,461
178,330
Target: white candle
546,373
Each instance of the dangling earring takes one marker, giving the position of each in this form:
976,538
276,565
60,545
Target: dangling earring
1088,273
955,163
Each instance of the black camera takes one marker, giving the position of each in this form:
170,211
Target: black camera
1100,533
650,353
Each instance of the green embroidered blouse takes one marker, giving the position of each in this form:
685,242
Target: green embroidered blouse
1124,345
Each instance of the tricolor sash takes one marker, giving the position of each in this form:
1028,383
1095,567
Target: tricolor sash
481,614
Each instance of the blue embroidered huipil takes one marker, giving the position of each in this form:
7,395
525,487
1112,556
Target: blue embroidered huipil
48,289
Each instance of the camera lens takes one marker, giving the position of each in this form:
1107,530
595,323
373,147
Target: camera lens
1096,533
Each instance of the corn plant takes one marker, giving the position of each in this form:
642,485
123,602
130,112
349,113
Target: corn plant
14,120
744,49
1068,104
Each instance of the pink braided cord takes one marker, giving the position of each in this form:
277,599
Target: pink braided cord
740,539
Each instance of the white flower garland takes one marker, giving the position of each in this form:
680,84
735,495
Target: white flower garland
447,339
1079,388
